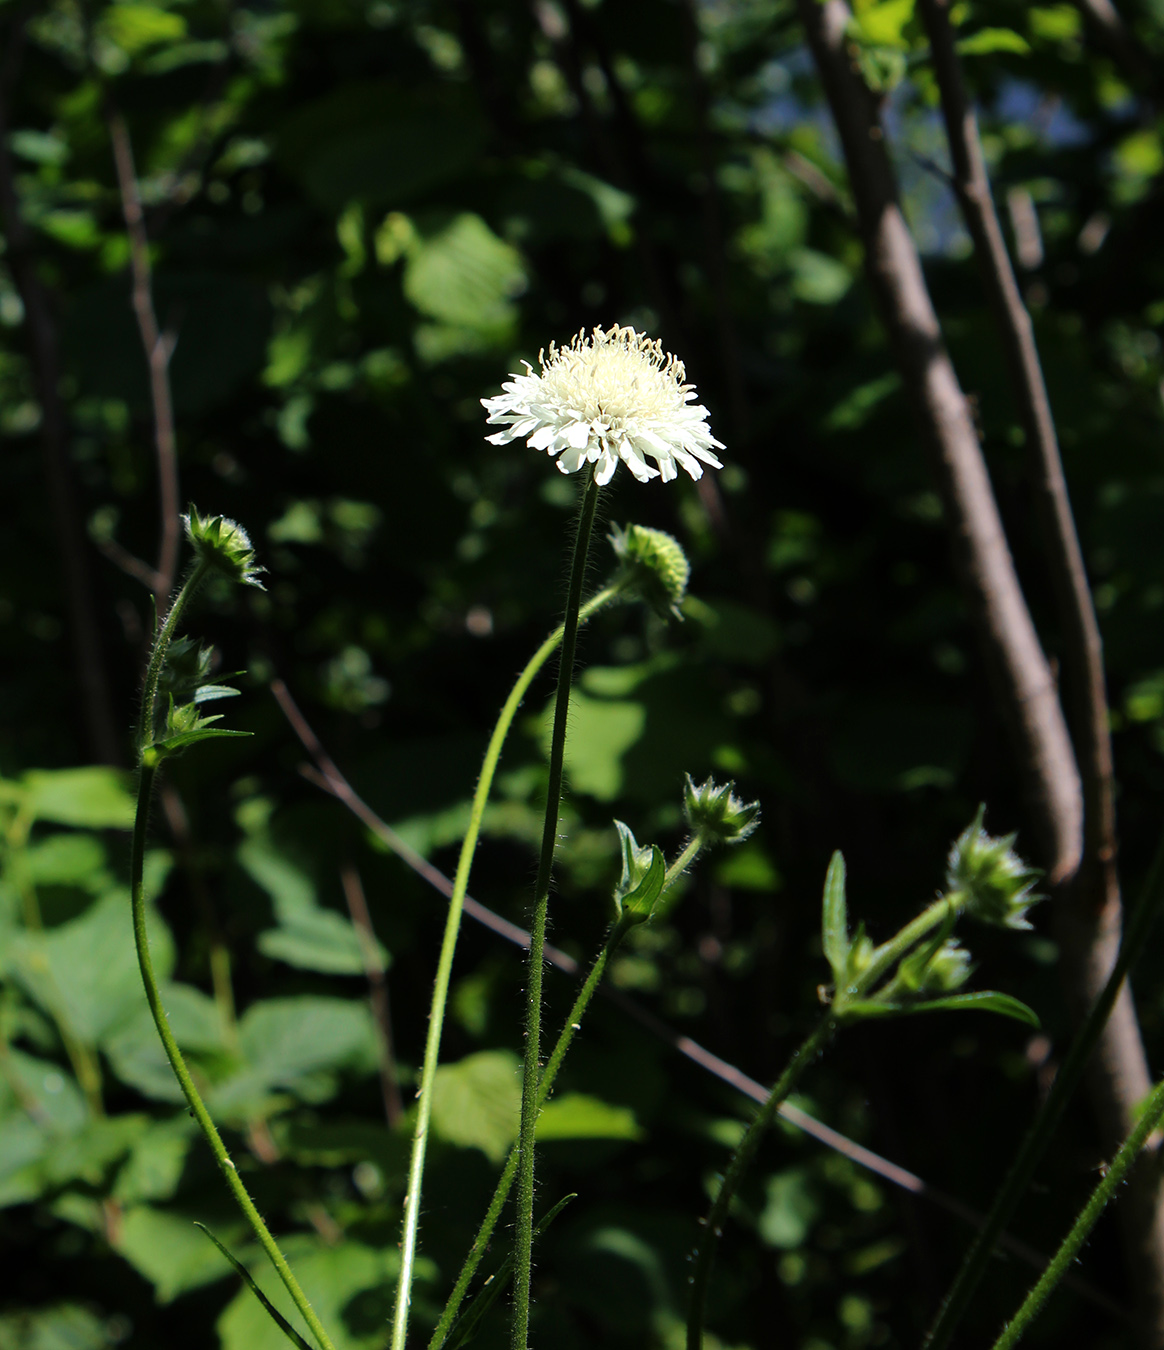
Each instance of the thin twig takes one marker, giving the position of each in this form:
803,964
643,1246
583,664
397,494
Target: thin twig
159,348
328,778
377,978
89,668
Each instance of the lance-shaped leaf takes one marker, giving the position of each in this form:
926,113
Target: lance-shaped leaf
644,870
834,926
244,1274
987,1000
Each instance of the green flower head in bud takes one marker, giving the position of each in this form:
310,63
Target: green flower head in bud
991,880
225,545
187,665
941,971
641,882
717,813
654,566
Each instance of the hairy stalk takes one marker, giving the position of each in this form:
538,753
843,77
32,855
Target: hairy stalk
440,991
883,961
1039,1135
523,1249
148,773
1061,1262
545,1087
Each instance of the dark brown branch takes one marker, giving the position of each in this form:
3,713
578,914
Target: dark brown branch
159,347
1027,693
92,682
377,991
1089,916
1110,35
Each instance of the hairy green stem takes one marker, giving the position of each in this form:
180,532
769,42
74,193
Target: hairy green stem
147,776
531,1071
1039,1135
741,1160
1150,1116
440,991
545,1087
883,960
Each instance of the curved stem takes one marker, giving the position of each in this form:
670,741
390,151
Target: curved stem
148,773
445,963
523,1250
1061,1262
741,1160
884,958
1037,1138
545,1087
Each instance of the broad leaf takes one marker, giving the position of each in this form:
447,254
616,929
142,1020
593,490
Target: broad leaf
477,1102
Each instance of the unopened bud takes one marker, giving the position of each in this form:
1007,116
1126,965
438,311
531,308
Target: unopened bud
653,565
989,878
224,545
715,812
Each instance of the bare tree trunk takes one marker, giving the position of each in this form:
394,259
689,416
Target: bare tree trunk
1068,787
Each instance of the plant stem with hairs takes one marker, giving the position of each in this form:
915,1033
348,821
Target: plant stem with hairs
1150,1116
545,1086
445,961
531,1071
150,759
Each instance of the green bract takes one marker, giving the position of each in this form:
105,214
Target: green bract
653,565
224,545
715,812
988,877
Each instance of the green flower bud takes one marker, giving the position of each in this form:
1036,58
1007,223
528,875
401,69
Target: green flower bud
187,665
989,879
654,566
936,972
643,873
225,545
717,813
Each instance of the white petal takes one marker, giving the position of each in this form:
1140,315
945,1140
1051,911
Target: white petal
577,434
605,470
667,469
571,460
541,438
502,438
636,463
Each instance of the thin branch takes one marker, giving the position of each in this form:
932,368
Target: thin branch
122,558
159,348
89,669
1111,35
1090,918
1027,692
327,776
377,978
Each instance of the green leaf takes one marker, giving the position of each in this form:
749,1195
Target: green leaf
188,738
601,732
154,1166
464,275
95,798
166,1248
208,693
987,1000
64,1326
276,1316
476,1102
576,1115
135,27
835,919
466,1326
332,1278
68,859
988,40
86,970
638,903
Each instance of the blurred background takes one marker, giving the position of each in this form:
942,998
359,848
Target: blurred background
360,218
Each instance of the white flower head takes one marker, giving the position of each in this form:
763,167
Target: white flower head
613,395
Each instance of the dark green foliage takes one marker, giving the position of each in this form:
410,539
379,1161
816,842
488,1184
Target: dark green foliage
363,215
